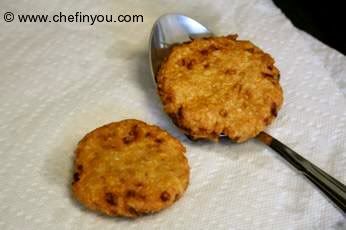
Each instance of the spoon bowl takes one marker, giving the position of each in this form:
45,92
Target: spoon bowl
168,30
172,29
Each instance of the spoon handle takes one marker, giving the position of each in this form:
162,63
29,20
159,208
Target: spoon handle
332,188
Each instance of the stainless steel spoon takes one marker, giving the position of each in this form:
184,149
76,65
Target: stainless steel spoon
172,29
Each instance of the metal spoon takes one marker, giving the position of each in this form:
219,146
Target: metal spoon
172,29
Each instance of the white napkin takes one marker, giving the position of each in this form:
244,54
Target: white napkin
61,80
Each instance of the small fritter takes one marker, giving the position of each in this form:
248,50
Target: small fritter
129,168
220,85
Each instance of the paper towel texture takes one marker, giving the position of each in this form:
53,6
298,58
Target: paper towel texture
59,81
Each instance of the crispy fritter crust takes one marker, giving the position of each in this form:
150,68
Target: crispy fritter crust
129,168
220,85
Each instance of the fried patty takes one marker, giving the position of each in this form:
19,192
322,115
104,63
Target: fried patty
220,85
129,168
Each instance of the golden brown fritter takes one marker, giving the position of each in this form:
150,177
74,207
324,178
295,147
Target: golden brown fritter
129,168
220,85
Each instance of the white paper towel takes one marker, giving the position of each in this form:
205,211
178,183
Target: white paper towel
59,81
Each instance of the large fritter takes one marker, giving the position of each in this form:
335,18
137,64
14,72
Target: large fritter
220,85
129,168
